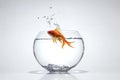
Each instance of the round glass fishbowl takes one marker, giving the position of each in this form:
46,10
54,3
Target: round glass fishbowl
58,55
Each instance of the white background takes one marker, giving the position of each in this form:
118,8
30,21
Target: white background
98,21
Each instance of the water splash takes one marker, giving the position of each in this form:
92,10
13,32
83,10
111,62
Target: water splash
49,21
38,17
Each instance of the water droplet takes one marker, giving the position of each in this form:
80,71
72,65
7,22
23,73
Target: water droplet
50,7
51,19
44,16
47,17
49,22
38,17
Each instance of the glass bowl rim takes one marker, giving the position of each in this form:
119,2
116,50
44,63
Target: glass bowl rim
66,33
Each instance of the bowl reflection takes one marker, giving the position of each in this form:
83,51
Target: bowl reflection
58,77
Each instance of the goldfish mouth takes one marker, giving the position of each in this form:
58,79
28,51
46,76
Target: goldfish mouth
48,32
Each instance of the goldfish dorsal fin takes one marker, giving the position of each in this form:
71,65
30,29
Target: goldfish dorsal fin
57,28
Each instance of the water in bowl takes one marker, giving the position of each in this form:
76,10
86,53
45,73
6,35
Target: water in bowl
53,57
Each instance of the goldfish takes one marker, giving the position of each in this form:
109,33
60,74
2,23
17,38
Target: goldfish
57,35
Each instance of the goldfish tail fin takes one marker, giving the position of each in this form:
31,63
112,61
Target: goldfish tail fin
68,43
63,44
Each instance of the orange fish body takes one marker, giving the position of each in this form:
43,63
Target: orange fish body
57,35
